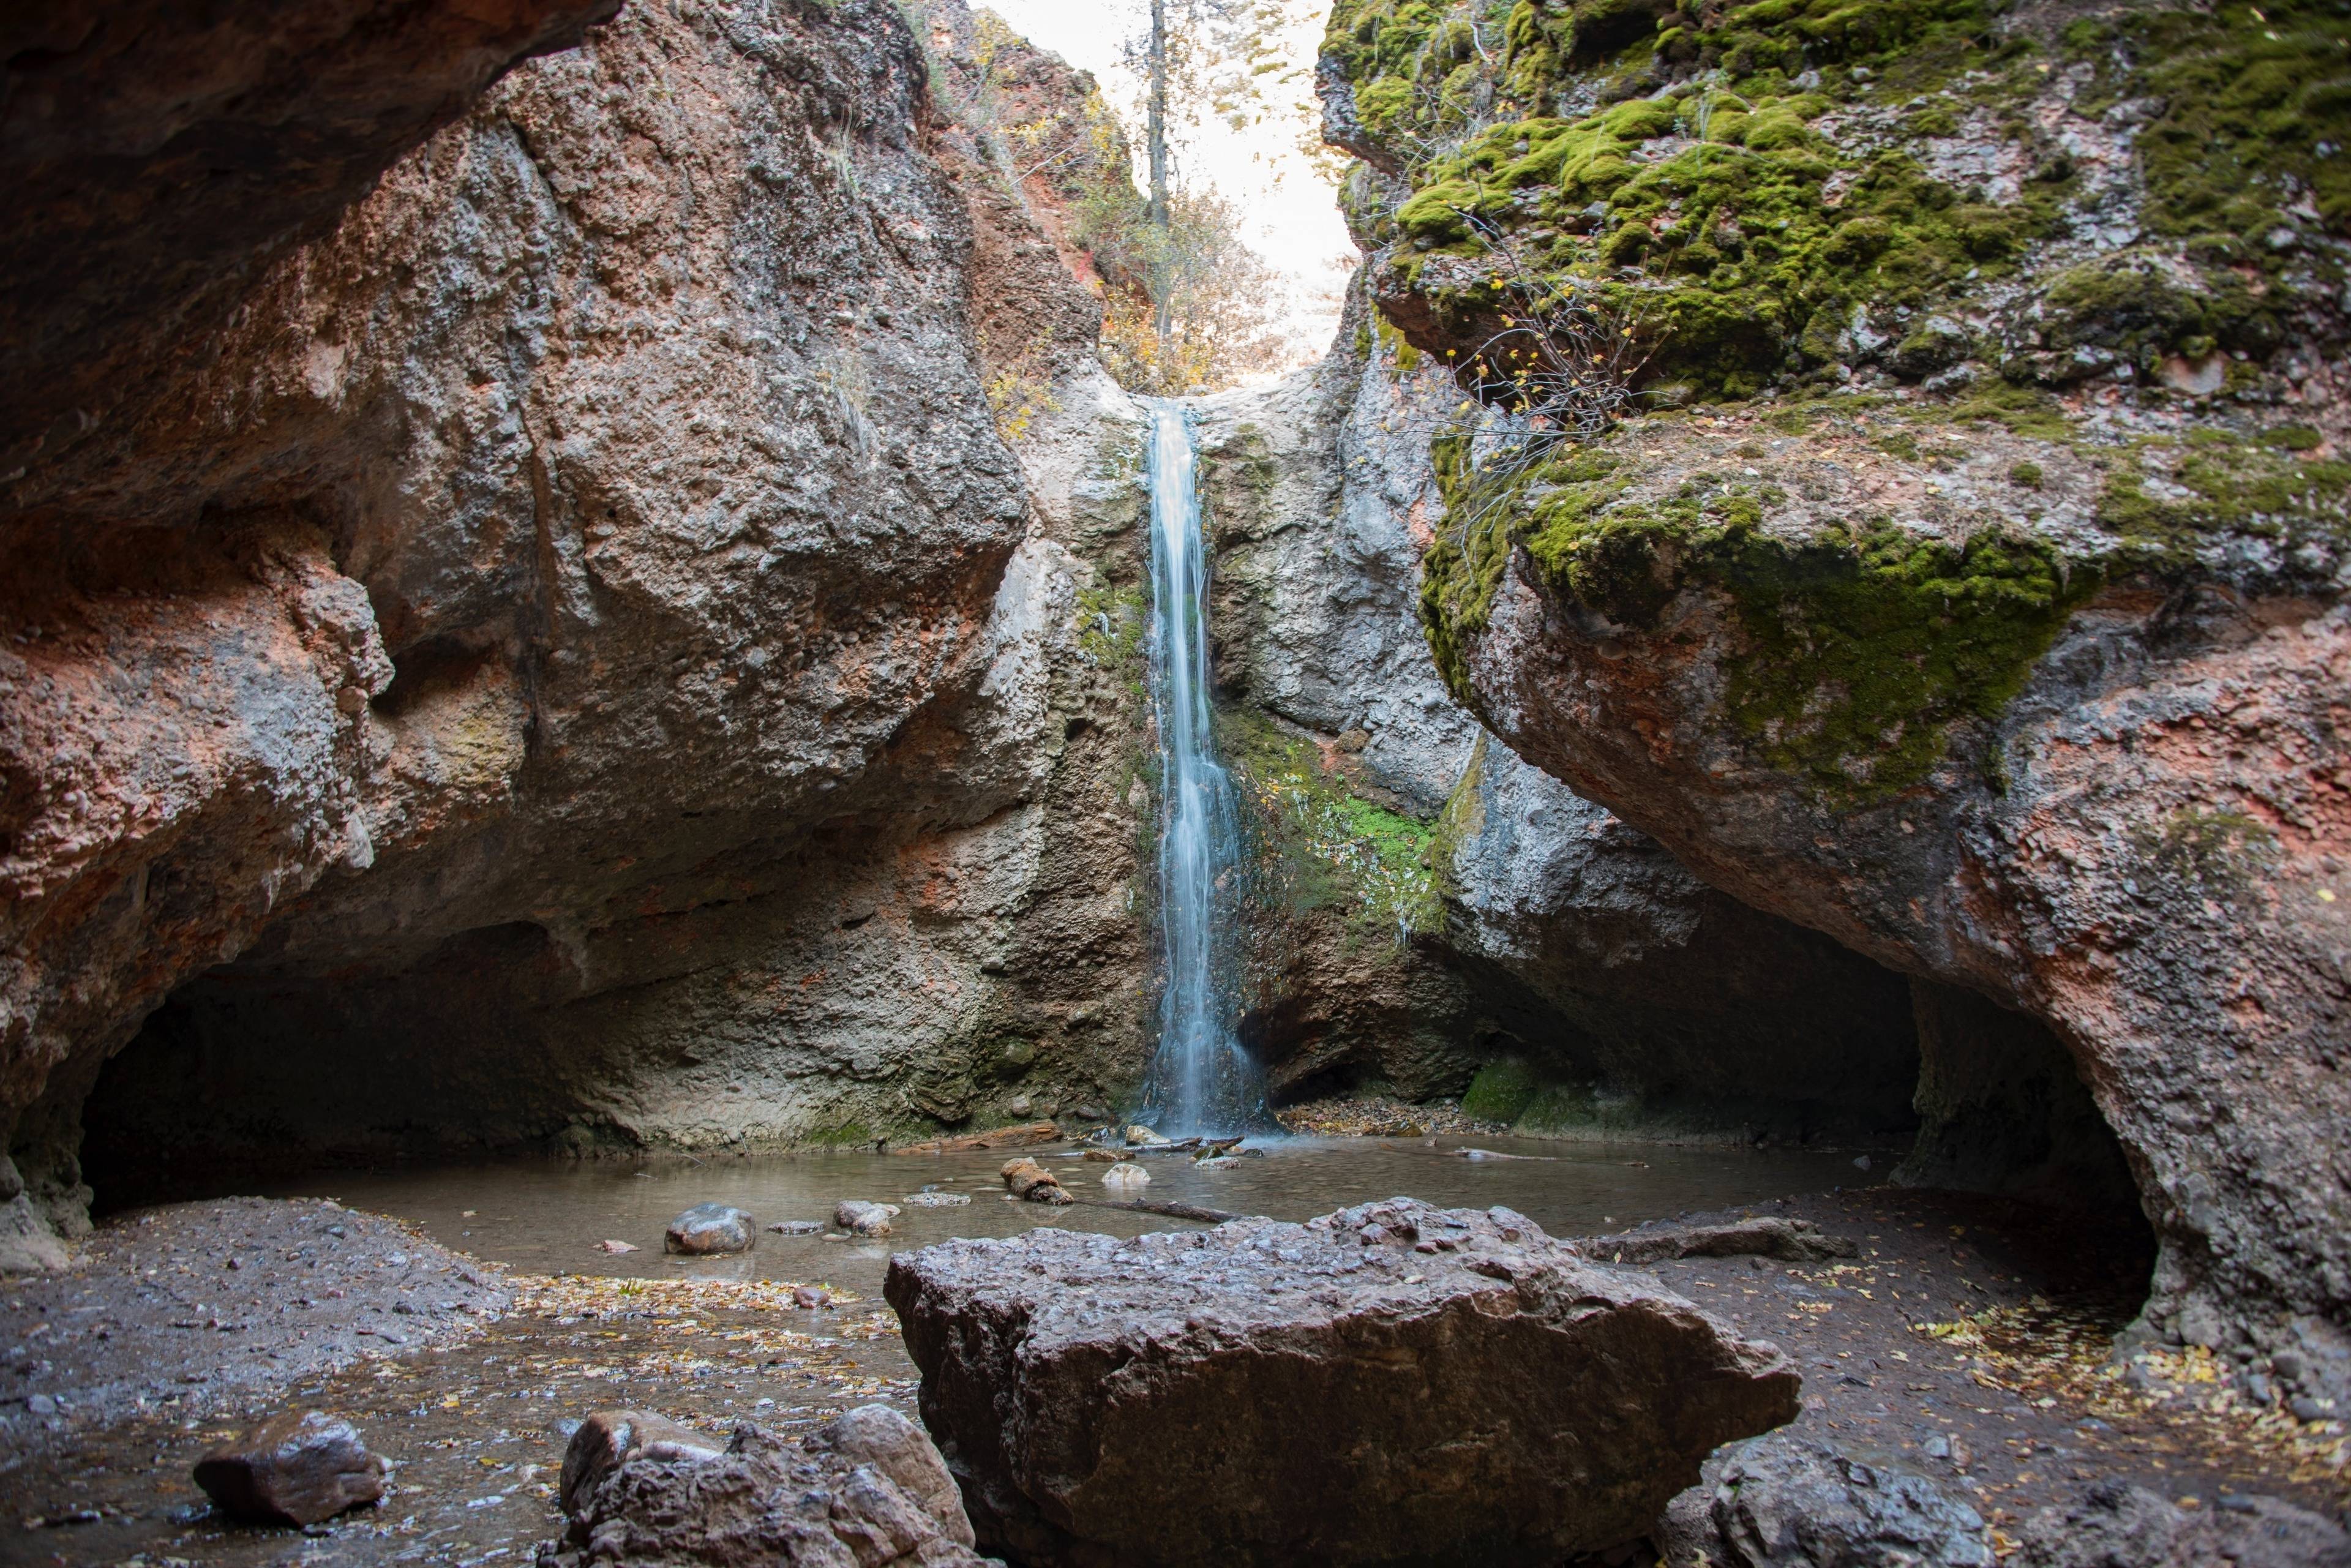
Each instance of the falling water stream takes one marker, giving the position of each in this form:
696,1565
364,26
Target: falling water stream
1201,1080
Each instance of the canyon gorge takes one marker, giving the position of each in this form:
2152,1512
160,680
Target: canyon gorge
575,584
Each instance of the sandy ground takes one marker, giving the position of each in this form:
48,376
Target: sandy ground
1969,1340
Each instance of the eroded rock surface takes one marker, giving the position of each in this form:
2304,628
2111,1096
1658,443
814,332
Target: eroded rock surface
1784,1501
867,1488
1981,608
1426,900
2120,1526
584,609
1172,1399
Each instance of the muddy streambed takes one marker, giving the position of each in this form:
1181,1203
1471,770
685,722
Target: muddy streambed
1967,1337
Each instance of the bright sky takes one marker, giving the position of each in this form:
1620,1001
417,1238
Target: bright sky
1293,215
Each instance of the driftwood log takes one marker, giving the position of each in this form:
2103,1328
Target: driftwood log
1020,1137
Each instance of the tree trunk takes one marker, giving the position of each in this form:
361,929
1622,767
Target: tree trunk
1156,216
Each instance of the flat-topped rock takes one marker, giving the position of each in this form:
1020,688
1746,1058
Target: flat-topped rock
1392,1383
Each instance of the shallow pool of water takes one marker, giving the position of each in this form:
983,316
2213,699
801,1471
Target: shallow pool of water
548,1217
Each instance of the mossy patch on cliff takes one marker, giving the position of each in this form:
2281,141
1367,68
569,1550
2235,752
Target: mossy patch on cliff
1773,186
1857,647
1337,849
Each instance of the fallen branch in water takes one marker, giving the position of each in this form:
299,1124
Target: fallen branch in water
1462,1153
1172,1210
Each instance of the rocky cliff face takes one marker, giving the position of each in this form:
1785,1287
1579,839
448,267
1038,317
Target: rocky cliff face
1980,604
581,616
1431,906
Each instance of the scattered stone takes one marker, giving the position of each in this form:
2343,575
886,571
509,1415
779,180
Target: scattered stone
1217,1162
41,1404
614,1247
862,1218
1786,1502
1768,1236
1162,1400
809,1298
711,1227
1090,1114
937,1199
1142,1137
294,1468
2116,1525
795,1228
1126,1173
27,1245
867,1488
1032,1183
1102,1155
2197,378
611,1439
1019,1138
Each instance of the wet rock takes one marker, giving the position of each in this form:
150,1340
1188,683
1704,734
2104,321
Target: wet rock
1766,1236
868,1488
810,1297
1784,1501
795,1228
861,1218
937,1199
294,1468
1103,1157
711,1227
610,1439
1126,1173
2116,1525
615,1247
1157,1400
878,1436
1032,1183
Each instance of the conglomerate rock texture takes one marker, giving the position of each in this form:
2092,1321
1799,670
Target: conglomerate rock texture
581,615
1969,584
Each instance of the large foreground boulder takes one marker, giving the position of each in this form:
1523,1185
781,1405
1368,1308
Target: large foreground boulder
866,1488
1392,1383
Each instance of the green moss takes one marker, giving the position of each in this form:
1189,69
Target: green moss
2166,499
1111,626
1501,1091
2217,852
2250,97
2025,475
1337,849
1861,649
2137,306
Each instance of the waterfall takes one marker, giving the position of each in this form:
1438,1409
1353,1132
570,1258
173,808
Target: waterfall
1200,1078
